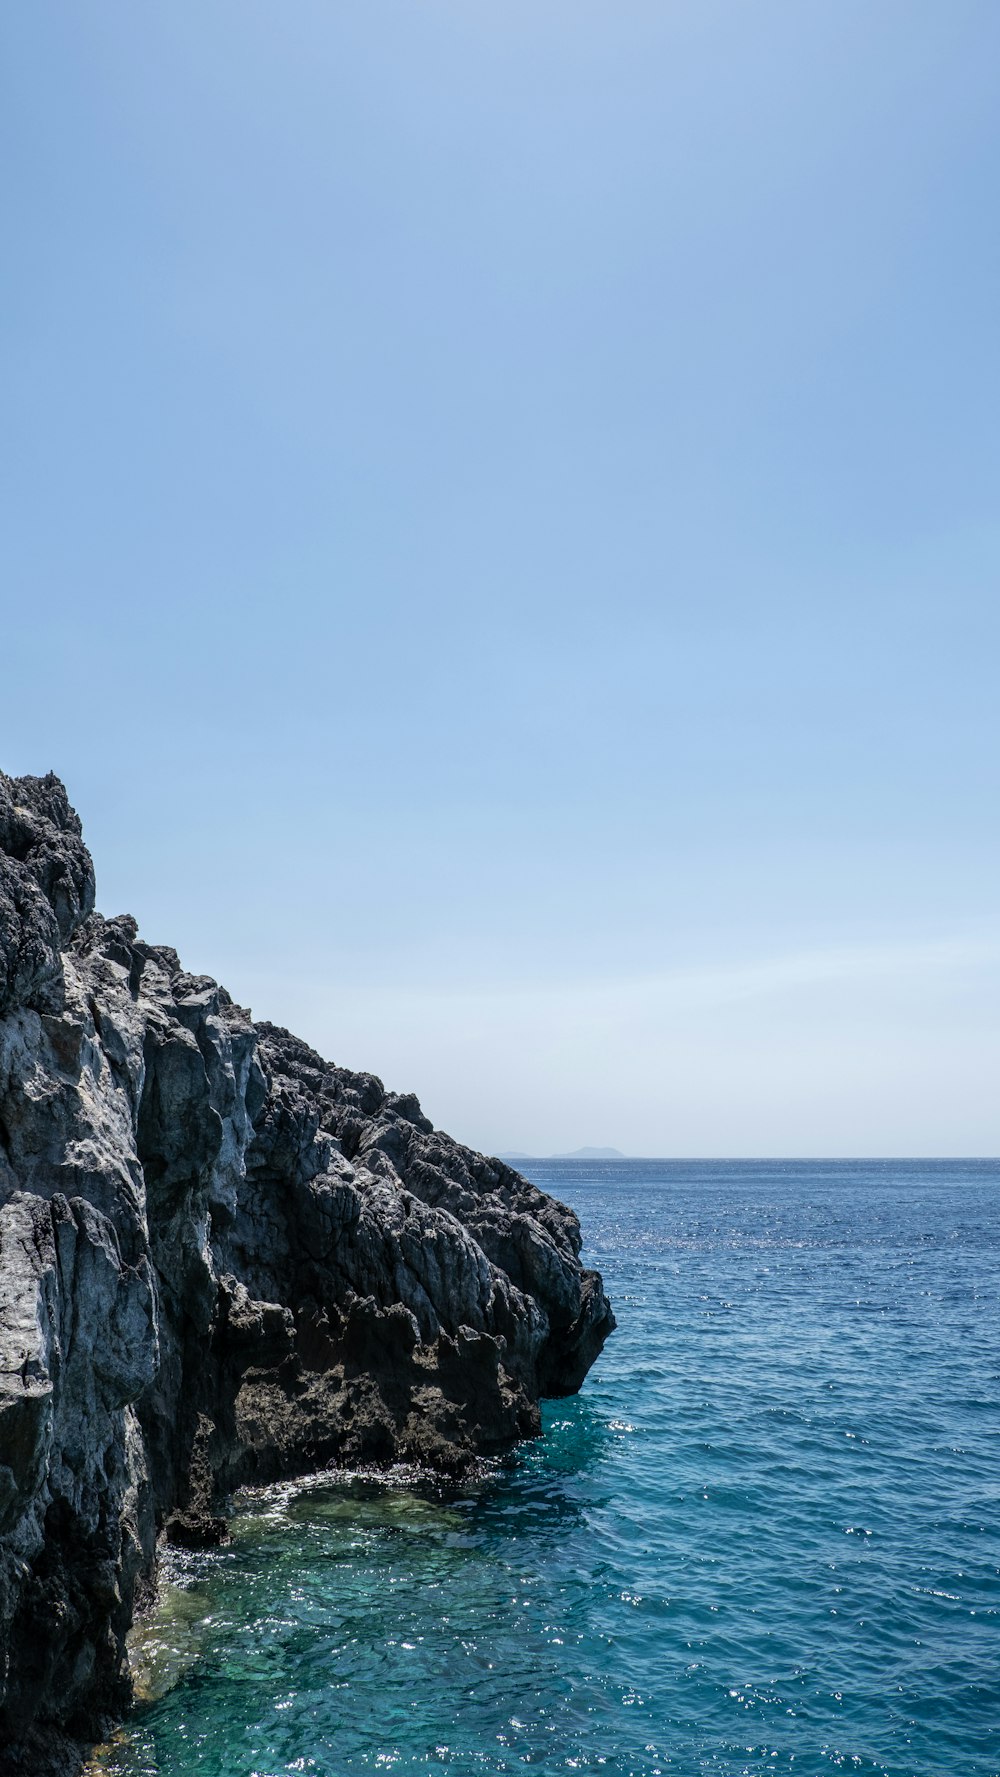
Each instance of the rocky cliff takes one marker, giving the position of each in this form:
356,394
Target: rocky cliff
222,1260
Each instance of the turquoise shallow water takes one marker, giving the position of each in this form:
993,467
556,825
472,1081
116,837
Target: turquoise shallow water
764,1539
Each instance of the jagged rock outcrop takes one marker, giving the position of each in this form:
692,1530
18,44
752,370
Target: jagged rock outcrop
222,1260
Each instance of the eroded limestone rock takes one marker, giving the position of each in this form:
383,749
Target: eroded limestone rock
222,1260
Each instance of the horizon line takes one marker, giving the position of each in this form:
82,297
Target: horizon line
737,1159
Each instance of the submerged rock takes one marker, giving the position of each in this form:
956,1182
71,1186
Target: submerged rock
222,1261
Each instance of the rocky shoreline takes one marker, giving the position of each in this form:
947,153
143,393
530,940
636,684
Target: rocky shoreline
223,1261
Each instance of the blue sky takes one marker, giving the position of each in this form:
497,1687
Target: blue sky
501,540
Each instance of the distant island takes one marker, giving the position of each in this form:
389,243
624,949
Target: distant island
577,1154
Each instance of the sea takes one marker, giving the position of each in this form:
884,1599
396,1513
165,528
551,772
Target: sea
763,1541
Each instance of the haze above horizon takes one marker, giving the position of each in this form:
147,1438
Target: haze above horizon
500,541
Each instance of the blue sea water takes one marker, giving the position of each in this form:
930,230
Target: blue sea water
764,1539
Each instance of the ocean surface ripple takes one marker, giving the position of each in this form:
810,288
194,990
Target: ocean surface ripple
764,1539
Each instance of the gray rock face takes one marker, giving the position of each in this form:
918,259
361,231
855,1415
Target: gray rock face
222,1260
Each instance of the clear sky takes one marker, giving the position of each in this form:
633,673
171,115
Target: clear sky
501,540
